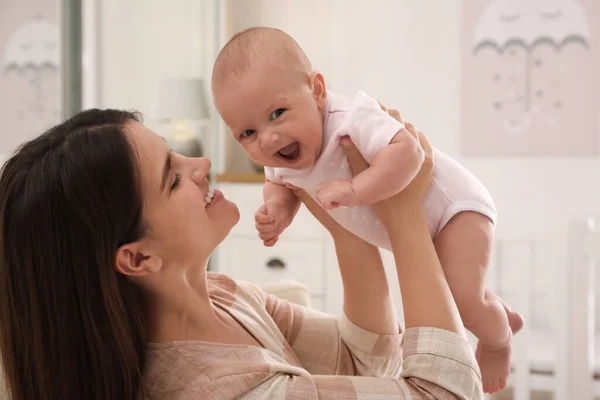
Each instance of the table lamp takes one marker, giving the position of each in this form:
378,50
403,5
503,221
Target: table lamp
181,103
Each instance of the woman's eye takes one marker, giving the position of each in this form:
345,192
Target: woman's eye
277,113
176,180
247,133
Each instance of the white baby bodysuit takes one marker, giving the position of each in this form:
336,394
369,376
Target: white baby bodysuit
453,189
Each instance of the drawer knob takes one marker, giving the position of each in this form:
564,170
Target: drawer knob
275,263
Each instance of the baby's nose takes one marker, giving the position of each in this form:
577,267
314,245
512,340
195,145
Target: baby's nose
267,139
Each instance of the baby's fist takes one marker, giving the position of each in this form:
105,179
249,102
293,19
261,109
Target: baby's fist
270,221
336,193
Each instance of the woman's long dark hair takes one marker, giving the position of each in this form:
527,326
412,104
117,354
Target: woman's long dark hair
71,327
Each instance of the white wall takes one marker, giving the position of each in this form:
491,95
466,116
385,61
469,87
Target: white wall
308,21
406,54
144,41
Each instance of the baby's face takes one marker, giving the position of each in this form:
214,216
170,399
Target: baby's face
275,119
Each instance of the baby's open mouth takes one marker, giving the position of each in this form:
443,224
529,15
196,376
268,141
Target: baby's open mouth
291,152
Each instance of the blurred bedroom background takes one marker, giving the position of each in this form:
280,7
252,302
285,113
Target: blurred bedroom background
506,87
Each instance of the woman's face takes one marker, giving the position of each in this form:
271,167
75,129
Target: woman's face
185,223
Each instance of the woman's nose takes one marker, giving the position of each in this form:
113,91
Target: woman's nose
200,169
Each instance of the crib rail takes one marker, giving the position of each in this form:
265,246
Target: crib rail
585,252
563,254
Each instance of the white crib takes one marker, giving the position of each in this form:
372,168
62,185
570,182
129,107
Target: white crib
545,269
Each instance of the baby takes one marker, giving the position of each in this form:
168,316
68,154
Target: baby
279,110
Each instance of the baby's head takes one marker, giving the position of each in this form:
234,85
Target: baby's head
268,95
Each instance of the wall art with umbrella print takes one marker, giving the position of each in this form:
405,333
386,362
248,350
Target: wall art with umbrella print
30,62
530,78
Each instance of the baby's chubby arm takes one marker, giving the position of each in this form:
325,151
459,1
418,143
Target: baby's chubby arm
392,169
279,209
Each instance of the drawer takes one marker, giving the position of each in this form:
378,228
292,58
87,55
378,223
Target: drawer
248,198
250,260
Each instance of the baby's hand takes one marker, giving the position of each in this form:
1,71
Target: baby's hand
336,193
271,219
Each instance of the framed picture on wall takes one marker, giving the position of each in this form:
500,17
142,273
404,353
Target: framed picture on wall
30,87
40,67
530,84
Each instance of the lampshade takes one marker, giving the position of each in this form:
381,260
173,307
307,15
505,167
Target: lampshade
182,98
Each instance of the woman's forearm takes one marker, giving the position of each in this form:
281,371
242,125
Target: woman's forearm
367,299
426,297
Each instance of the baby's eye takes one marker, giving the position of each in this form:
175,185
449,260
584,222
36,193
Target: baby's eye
277,113
247,133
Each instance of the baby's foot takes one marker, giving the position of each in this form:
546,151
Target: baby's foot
515,321
494,364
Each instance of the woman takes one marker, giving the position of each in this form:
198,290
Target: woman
105,237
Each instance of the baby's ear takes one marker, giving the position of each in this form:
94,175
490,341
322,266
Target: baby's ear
317,84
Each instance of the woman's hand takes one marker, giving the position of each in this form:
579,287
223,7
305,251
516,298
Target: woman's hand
411,198
414,194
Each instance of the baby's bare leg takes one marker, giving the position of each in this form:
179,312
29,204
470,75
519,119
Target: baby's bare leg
464,248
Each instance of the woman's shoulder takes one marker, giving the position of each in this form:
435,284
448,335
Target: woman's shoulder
222,281
219,279
202,369
228,290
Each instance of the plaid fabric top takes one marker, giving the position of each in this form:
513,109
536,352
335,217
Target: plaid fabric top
309,355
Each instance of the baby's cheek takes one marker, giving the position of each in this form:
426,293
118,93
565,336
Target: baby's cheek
258,157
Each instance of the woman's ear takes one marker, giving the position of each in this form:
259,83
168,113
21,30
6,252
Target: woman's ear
132,260
317,84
